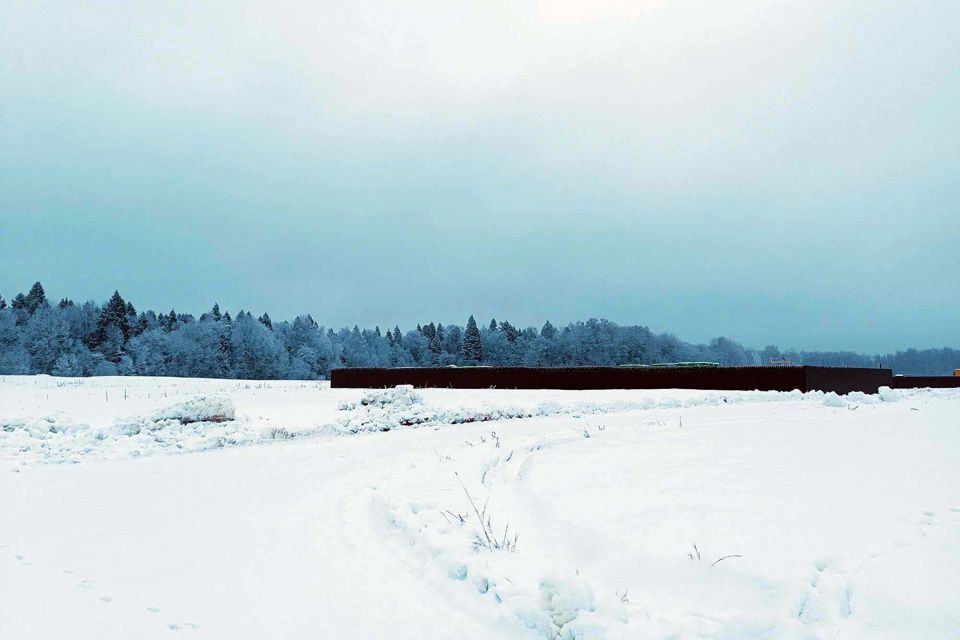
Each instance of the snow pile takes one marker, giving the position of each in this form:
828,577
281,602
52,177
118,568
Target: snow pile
833,400
199,409
385,409
38,427
889,395
400,396
403,409
857,398
197,424
388,409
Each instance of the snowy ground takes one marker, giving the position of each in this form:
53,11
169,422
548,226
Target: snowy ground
301,511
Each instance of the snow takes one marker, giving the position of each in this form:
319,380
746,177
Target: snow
226,509
201,408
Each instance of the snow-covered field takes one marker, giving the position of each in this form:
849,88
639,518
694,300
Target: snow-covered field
152,507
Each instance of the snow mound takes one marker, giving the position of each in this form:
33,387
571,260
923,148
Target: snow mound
199,409
42,427
402,395
830,399
197,424
388,409
851,400
888,395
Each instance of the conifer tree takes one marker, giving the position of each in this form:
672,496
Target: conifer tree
510,331
36,298
472,345
19,302
266,321
132,321
436,348
116,313
215,312
548,331
171,321
143,322
224,346
3,303
493,324
113,328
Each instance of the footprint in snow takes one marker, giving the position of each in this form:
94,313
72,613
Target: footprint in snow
929,519
86,584
827,595
153,609
106,599
179,626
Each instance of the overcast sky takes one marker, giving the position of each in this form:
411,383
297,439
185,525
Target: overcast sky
776,171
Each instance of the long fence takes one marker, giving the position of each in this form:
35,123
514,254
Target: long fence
777,378
933,382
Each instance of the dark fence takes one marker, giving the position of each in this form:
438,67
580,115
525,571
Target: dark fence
846,380
918,382
839,380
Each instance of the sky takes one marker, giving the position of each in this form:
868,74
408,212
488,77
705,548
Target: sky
782,172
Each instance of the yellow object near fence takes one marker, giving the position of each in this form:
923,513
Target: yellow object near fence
956,373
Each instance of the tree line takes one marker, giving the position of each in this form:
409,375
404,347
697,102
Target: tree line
90,339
